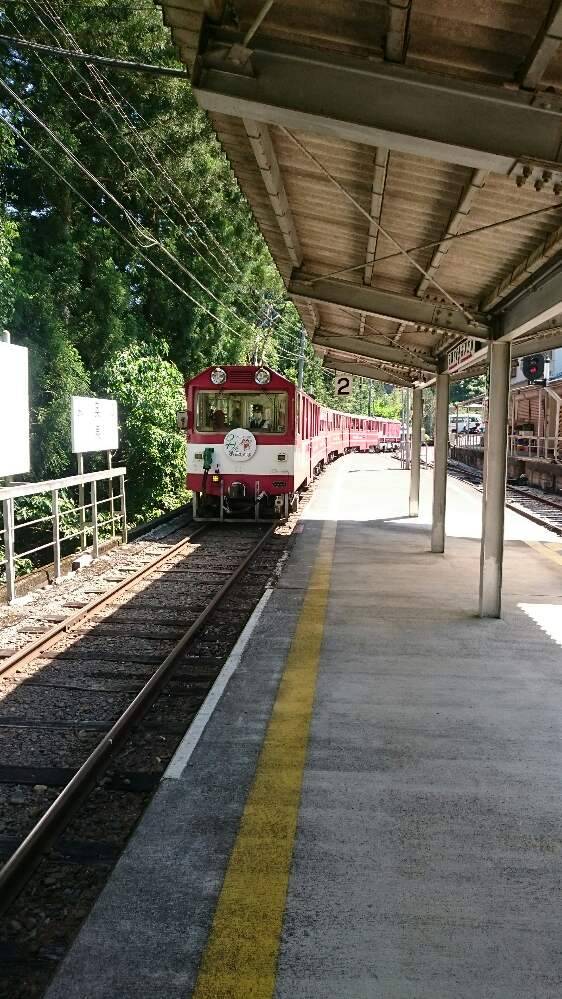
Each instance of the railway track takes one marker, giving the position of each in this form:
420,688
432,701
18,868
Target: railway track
93,707
525,500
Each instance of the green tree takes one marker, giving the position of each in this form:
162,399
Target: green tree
149,391
468,388
122,298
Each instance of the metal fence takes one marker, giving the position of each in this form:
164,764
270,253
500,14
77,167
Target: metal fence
535,446
520,445
466,440
87,517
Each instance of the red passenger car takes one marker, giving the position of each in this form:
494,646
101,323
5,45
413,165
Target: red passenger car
254,440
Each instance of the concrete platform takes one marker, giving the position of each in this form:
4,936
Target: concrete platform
373,810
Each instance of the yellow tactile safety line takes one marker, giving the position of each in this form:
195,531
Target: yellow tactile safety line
546,548
240,959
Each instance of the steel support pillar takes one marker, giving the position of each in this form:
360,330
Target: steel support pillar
416,452
495,466
441,440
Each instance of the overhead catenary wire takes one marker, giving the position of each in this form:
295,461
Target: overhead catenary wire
145,190
111,63
100,215
140,229
47,8
97,213
122,235
108,88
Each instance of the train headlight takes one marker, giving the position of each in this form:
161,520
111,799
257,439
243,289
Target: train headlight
218,376
262,376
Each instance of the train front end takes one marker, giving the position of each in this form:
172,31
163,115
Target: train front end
240,443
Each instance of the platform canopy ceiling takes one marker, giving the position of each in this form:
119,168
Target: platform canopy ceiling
370,137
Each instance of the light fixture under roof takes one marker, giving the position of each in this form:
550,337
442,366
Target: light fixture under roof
262,376
218,376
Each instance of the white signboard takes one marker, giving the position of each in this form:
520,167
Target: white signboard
14,410
94,425
240,444
343,383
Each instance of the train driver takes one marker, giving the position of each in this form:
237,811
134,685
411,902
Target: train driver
257,419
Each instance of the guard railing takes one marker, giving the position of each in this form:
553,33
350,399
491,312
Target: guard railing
533,446
87,515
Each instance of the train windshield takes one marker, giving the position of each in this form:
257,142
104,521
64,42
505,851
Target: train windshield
263,412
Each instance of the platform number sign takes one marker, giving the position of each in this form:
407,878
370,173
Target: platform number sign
344,383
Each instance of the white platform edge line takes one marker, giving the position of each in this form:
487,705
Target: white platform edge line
187,746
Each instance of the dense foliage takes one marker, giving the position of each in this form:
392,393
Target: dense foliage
83,282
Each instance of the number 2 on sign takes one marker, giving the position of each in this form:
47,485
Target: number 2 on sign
343,384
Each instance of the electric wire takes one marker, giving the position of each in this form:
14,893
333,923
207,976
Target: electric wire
189,225
140,229
100,215
105,85
116,103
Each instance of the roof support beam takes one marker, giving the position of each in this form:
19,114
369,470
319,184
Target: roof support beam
377,351
396,41
266,157
377,104
377,193
524,270
544,48
461,213
385,304
533,306
365,371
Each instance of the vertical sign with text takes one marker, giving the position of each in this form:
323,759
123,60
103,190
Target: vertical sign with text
94,425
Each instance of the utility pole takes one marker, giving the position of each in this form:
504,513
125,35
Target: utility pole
301,358
370,394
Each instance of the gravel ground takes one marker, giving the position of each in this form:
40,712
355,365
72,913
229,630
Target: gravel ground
52,598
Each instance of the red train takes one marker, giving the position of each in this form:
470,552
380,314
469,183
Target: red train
254,440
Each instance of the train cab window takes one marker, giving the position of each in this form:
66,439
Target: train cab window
262,412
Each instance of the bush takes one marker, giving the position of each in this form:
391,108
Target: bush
149,391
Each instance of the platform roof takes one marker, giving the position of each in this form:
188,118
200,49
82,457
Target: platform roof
370,137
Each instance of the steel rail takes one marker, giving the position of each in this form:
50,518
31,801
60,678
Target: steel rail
49,638
16,872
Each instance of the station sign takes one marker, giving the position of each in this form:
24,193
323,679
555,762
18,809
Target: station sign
461,353
94,425
343,383
14,410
